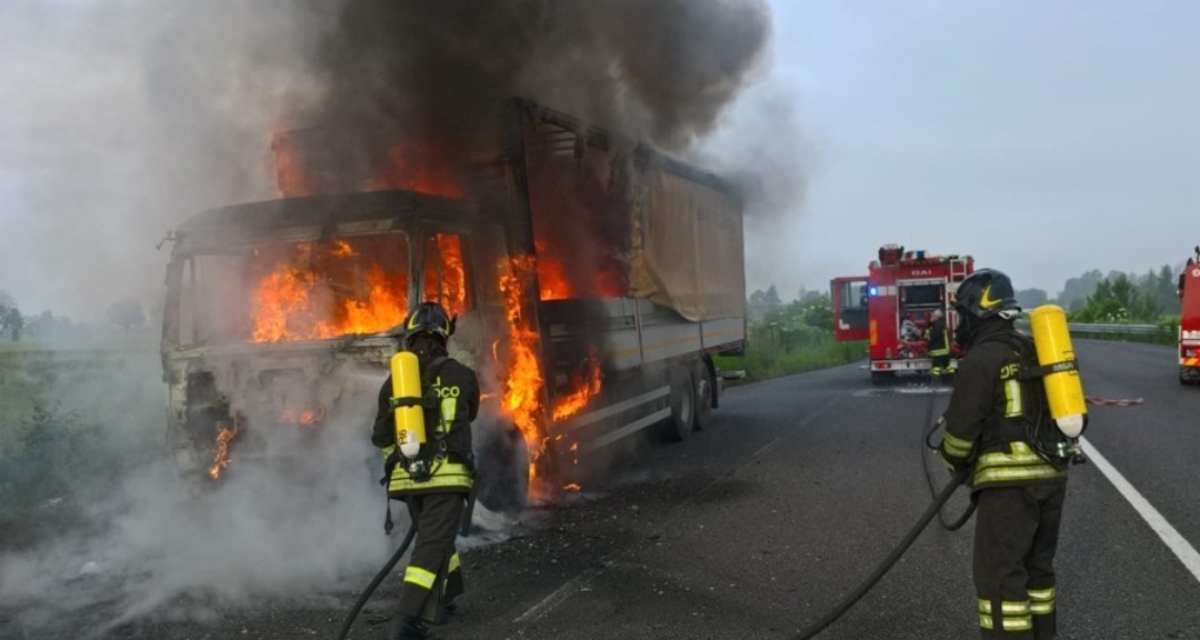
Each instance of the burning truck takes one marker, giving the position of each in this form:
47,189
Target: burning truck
593,279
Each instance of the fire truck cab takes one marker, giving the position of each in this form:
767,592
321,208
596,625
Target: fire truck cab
1189,323
892,307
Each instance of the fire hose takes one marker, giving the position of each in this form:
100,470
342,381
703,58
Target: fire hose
854,596
935,509
383,573
465,529
927,445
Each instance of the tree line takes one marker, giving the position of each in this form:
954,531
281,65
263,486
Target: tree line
128,315
1093,296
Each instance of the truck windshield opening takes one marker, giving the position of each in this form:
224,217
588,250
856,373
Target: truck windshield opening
287,292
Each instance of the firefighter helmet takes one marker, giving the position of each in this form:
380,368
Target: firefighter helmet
986,293
428,317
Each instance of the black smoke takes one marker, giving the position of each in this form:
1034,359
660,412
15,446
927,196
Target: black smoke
658,69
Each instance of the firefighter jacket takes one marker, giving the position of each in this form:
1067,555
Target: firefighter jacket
987,424
939,339
453,402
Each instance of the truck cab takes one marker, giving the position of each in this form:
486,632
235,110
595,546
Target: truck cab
277,315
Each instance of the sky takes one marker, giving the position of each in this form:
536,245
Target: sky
1044,138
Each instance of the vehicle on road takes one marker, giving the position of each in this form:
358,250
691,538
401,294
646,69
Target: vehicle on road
891,307
592,277
1189,323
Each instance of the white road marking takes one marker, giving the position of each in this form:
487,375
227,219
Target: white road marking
903,391
1170,536
547,604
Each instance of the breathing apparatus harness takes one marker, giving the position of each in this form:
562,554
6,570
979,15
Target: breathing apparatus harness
1040,432
431,456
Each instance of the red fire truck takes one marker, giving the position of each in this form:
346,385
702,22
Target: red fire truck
1189,322
892,307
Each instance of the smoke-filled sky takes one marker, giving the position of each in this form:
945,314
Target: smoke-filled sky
1044,138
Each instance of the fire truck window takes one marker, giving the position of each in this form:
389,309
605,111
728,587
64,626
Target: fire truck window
852,305
854,296
445,273
926,295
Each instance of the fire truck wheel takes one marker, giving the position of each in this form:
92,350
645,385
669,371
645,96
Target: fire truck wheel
882,377
683,406
705,390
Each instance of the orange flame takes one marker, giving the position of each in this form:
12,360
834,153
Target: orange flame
301,417
586,388
225,437
557,282
291,176
572,488
313,161
411,169
446,279
553,283
284,305
523,379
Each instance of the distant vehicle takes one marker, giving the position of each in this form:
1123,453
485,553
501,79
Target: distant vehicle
1189,322
593,279
891,307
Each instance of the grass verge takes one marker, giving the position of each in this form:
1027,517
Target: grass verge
769,359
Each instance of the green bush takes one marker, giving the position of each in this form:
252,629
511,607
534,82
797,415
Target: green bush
793,338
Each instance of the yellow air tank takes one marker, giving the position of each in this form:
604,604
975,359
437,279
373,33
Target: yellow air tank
1064,388
410,420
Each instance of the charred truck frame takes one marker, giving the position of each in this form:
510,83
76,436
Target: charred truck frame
593,279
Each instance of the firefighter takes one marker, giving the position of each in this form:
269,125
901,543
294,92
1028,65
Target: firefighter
996,429
435,499
939,344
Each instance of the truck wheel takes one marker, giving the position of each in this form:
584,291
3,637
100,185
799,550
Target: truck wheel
705,390
882,377
501,470
683,406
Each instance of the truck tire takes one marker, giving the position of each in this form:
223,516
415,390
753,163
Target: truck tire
682,421
706,390
501,471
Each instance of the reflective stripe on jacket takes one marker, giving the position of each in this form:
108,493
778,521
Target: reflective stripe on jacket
989,412
448,426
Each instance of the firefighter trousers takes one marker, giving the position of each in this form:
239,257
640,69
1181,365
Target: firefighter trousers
434,575
1016,534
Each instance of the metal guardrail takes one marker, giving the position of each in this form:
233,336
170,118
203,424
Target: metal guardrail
1096,328
1115,329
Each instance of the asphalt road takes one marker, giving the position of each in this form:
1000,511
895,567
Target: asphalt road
757,525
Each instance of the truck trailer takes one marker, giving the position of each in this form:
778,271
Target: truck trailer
891,307
593,279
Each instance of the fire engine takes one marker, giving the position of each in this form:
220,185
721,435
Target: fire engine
892,307
1189,322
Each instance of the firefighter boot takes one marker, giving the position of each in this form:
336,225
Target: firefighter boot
414,628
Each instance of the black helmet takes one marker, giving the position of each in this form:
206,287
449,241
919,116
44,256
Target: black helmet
986,293
428,317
